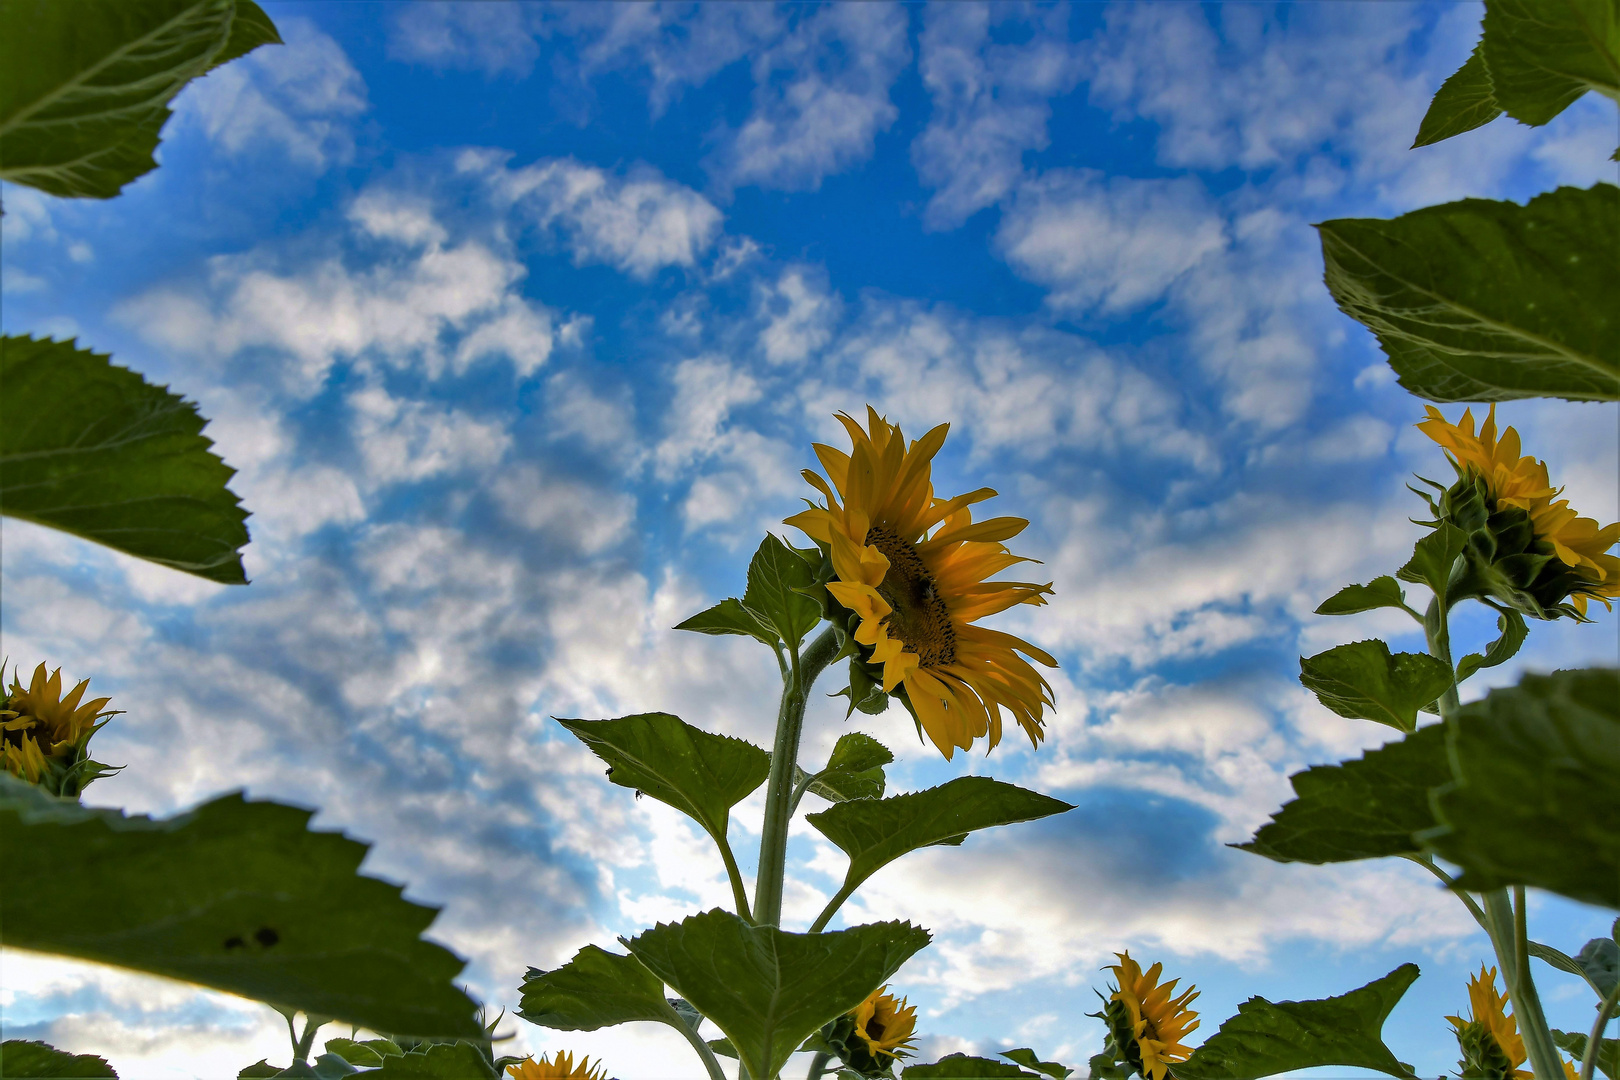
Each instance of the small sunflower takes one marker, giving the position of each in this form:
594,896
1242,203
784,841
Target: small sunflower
1489,1038
913,568
1146,1023
558,1066
885,1025
43,734
1526,547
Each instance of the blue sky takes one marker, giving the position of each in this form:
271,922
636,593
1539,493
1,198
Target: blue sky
518,322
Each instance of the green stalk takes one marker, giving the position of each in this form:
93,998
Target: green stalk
818,1065
710,1062
1594,1042
779,788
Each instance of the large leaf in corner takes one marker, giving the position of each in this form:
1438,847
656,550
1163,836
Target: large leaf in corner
875,832
767,989
595,989
1368,808
19,1058
1266,1038
1543,54
1536,795
1480,300
85,86
95,450
235,895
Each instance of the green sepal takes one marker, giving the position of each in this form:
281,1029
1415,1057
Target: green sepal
1371,807
238,896
1544,54
1381,592
1463,103
963,1067
1365,681
1480,300
95,450
1266,1038
20,1058
1608,1059
865,689
1482,1056
1535,794
1028,1059
768,989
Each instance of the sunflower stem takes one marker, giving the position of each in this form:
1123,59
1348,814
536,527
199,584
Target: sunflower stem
1427,862
832,907
1594,1042
1508,937
779,788
818,1065
710,1062
1437,630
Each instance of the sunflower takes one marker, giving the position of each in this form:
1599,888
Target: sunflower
1146,1023
913,569
42,733
1528,547
885,1025
1490,1037
558,1066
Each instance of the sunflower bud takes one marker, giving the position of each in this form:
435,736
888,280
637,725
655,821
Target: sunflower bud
44,737
875,1034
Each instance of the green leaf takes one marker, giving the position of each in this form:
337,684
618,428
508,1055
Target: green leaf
963,1067
1560,960
774,577
85,87
1463,103
855,770
1608,1060
875,832
19,1059
1364,681
369,1053
1510,625
95,450
701,775
1434,557
595,989
235,895
250,28
729,617
767,989
259,1070
1535,796
1381,592
723,1047
1267,1038
332,1066
442,1061
1367,808
1543,54
1600,964
1488,301
1027,1058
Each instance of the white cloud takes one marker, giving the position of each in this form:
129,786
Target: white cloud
495,38
991,104
410,441
638,224
1108,243
821,97
298,100
799,315
582,515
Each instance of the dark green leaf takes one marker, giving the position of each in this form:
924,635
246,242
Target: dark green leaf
36,1059
1368,808
855,770
259,1070
875,832
1463,103
250,28
1510,624
1363,681
723,1047
729,617
1535,798
444,1061
1561,961
595,989
85,87
1599,960
767,989
1487,301
1267,1038
235,895
1027,1058
298,1070
774,575
1381,592
963,1067
1434,558
701,775
1608,1060
95,450
1543,54
368,1053
332,1066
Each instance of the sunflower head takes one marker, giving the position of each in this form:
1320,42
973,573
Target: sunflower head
44,735
1527,548
1146,1019
908,573
1489,1038
557,1066
875,1034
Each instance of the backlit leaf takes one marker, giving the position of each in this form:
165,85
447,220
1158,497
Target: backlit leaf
854,771
20,1058
774,576
729,617
444,1061
1544,54
1463,103
1364,681
1510,625
595,989
1381,592
963,1067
